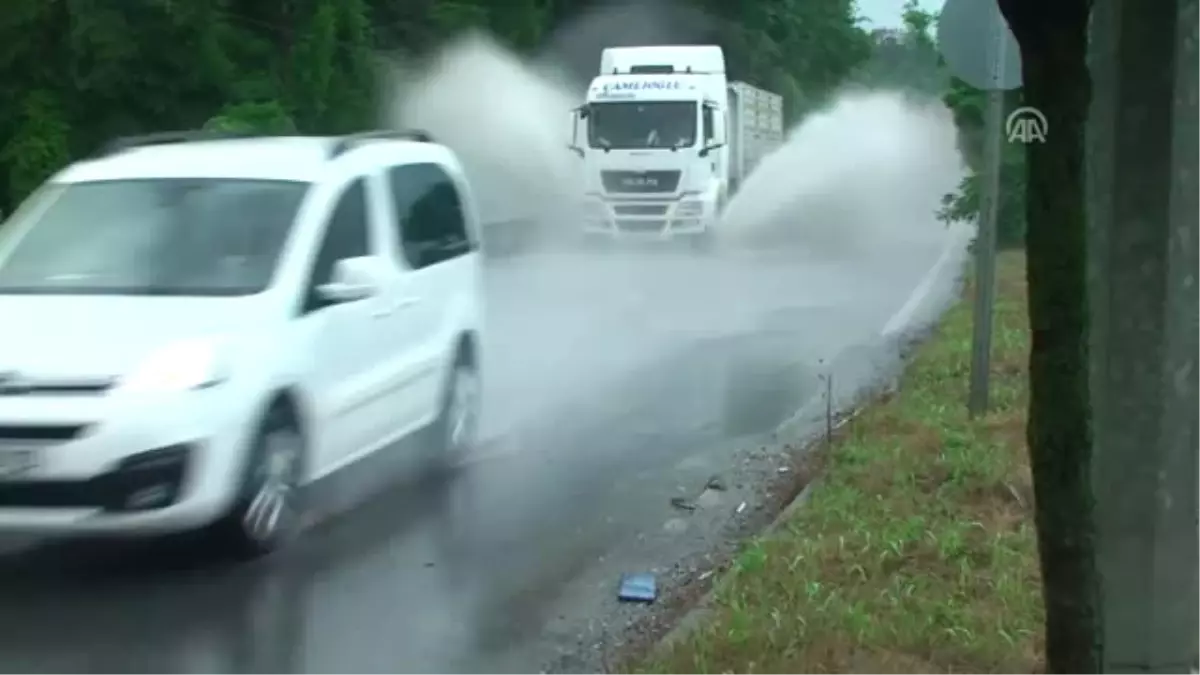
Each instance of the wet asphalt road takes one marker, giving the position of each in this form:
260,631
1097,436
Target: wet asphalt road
600,368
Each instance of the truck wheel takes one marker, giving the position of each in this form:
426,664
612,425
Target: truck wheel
702,242
595,242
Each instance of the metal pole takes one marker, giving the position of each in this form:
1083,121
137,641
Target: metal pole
985,238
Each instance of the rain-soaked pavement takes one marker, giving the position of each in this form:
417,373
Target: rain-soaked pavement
606,374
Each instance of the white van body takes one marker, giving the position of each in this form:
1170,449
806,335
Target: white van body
197,330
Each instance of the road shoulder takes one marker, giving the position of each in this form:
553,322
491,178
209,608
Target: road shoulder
915,552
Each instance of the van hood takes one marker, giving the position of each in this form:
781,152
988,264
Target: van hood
93,337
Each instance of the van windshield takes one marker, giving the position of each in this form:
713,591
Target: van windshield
626,125
162,236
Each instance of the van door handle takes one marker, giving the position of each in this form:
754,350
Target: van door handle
394,307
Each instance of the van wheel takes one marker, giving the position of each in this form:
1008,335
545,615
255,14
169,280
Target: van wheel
268,511
454,431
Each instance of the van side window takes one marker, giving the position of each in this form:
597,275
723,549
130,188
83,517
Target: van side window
347,235
429,215
709,131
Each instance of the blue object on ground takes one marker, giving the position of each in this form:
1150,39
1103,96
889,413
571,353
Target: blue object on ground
638,588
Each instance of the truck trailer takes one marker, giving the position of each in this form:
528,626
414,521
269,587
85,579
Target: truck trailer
665,141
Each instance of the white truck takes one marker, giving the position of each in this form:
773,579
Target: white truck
665,140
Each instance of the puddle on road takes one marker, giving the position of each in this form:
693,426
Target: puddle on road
761,393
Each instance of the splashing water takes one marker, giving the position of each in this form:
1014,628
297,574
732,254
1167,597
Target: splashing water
851,184
507,121
857,178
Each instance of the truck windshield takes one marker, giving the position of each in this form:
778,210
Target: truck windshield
642,124
163,236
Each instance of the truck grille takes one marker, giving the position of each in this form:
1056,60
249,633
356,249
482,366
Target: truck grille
642,226
640,209
640,182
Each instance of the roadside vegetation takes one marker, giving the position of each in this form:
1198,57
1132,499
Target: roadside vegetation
917,550
74,75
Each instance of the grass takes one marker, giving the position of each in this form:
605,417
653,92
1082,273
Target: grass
916,552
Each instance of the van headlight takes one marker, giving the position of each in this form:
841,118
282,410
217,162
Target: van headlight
179,366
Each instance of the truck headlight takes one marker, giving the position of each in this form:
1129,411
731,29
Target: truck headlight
180,366
594,208
689,209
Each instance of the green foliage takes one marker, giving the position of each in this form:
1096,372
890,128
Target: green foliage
37,148
75,74
965,205
268,117
969,106
917,551
802,49
906,59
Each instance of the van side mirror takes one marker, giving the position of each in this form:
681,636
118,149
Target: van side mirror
352,279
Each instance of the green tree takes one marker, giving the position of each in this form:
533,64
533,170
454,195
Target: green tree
967,104
38,144
79,72
269,117
34,122
802,49
1053,42
906,58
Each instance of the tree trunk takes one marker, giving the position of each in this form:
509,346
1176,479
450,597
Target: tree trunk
1053,41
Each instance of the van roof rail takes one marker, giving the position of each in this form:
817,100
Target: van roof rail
344,143
123,143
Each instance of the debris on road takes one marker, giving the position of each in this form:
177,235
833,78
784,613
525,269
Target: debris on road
675,526
709,499
683,503
637,588
741,507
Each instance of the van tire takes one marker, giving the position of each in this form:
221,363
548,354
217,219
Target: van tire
454,432
268,512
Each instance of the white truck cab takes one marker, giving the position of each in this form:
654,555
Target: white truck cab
665,141
653,142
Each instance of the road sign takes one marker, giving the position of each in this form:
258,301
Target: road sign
966,36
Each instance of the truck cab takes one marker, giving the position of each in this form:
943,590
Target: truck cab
652,136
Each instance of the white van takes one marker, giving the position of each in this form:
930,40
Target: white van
195,329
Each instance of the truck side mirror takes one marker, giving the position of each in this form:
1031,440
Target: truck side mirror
709,148
577,114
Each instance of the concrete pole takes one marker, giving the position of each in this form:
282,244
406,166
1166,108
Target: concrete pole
1143,214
